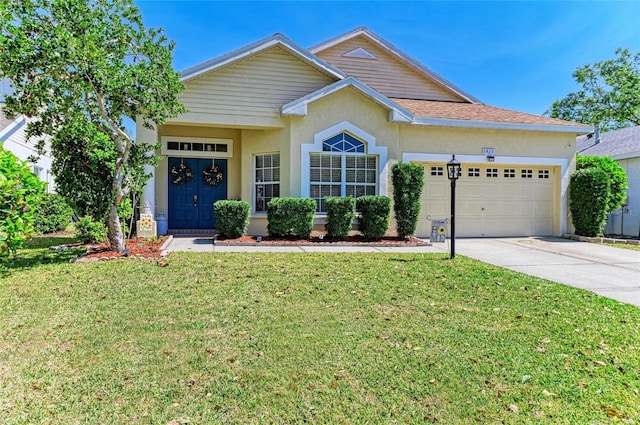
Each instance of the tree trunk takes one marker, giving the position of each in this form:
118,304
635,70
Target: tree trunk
116,238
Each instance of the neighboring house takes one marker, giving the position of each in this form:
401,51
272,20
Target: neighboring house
624,147
281,120
13,138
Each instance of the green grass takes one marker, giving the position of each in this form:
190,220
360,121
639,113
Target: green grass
317,338
624,246
37,253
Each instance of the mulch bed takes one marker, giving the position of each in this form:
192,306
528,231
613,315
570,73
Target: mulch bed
319,239
153,248
135,248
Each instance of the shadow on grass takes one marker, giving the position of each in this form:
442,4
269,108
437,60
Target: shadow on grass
36,252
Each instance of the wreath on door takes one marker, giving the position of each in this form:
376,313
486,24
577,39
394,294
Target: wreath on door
181,174
213,175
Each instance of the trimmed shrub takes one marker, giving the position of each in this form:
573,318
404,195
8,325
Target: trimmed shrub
408,181
232,218
53,214
375,212
291,217
589,195
89,231
340,214
617,177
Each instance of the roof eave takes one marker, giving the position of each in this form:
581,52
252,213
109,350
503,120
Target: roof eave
257,47
446,122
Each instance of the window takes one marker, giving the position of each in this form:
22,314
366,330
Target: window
543,174
437,171
473,172
343,142
199,147
342,169
526,174
38,172
492,172
509,173
267,180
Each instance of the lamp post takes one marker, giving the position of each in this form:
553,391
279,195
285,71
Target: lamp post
454,171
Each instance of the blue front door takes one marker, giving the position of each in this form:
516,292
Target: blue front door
191,202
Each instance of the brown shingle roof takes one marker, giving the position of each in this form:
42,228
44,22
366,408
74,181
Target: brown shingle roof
474,112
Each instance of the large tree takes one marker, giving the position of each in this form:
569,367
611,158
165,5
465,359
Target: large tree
610,94
79,61
84,161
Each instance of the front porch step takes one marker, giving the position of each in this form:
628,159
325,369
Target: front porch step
192,232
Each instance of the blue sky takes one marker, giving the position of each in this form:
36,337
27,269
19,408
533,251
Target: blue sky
512,54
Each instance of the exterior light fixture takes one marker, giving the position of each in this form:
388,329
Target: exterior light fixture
454,171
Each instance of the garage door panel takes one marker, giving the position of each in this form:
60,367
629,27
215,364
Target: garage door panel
472,207
511,191
436,190
544,192
496,201
468,227
435,209
529,209
544,227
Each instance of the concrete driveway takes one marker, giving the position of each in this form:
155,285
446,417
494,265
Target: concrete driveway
612,272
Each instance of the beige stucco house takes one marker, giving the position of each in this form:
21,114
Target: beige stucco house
277,120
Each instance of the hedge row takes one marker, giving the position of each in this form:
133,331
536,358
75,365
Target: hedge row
294,216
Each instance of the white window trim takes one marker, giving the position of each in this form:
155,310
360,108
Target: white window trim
196,154
253,181
316,147
563,163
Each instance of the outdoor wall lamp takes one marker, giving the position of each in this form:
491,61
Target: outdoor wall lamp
454,171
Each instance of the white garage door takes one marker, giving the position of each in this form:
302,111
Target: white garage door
492,200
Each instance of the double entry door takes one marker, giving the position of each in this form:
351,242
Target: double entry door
191,196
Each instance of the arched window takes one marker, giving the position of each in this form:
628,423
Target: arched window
343,168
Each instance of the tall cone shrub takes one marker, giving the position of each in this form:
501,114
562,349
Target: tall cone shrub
589,196
408,182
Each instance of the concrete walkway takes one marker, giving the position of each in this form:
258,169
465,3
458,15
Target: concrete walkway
608,271
205,244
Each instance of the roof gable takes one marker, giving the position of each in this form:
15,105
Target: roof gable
396,74
258,47
252,87
396,112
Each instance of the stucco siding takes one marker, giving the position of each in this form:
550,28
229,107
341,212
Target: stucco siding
449,140
255,87
385,74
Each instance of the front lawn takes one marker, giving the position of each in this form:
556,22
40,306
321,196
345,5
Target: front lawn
316,338
624,246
